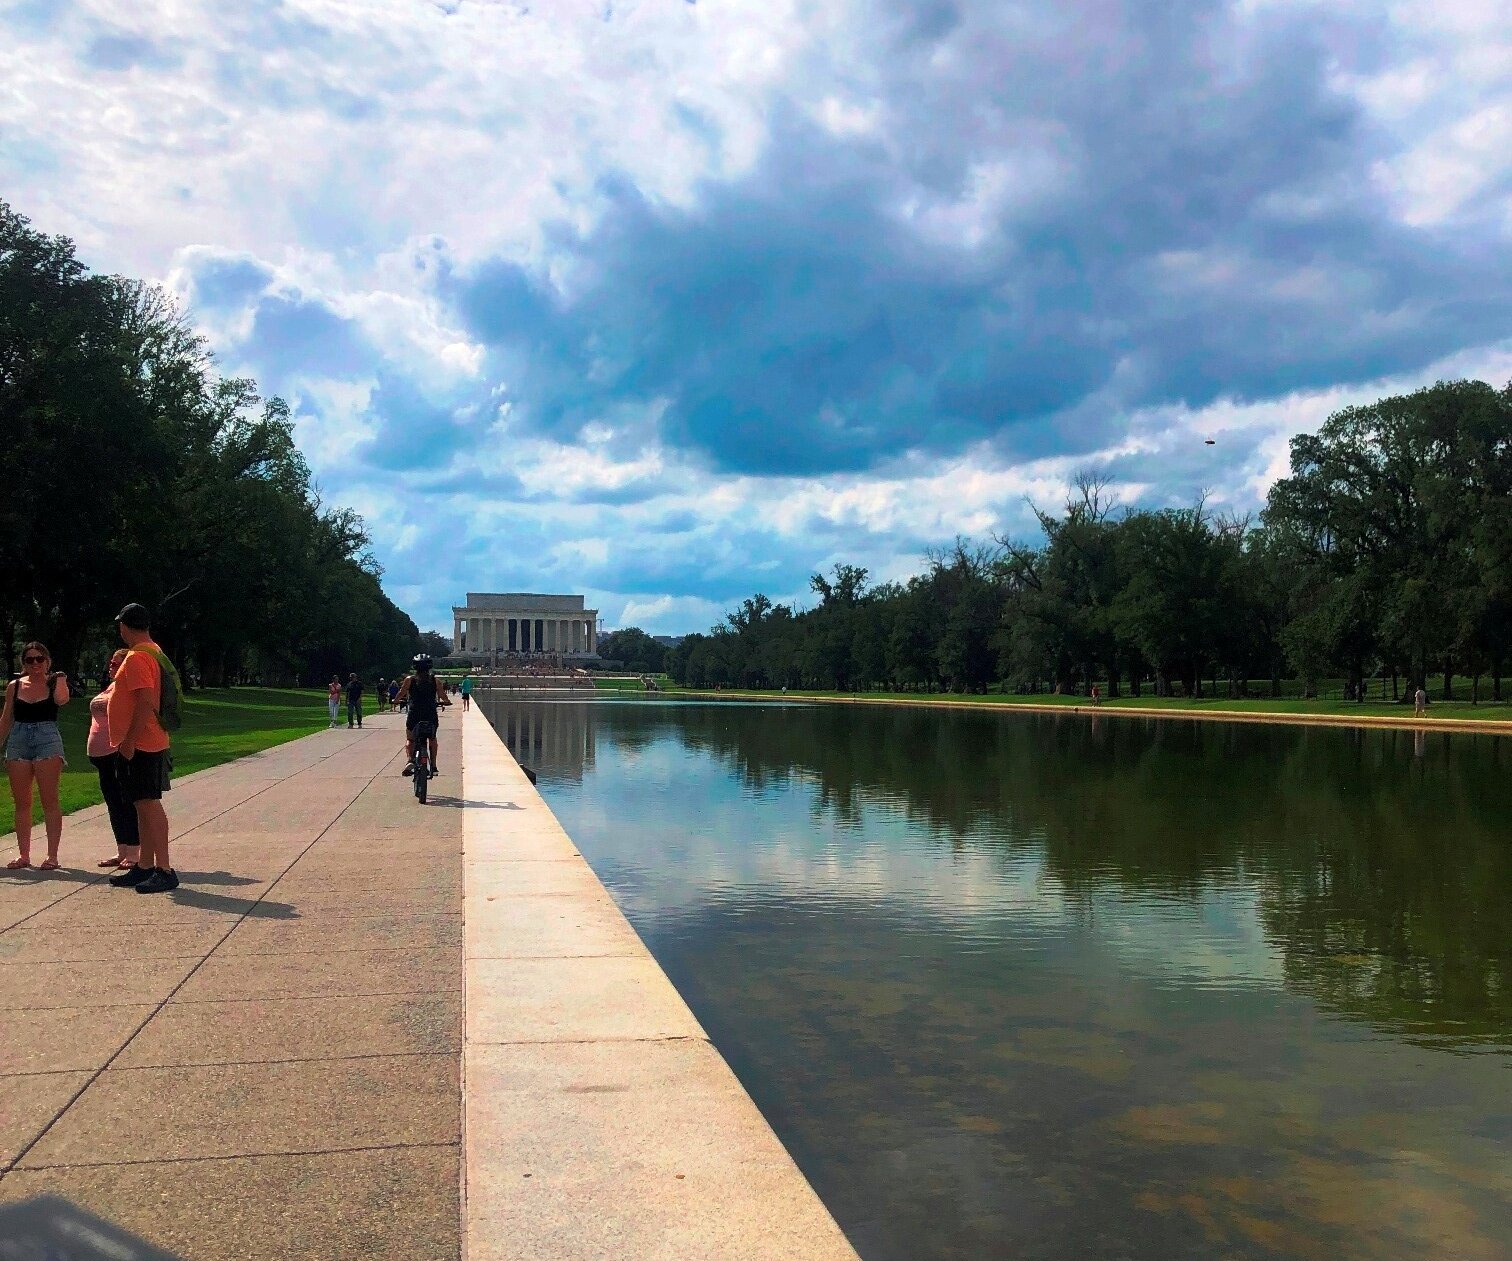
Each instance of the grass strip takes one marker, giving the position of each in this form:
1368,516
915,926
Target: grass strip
1485,712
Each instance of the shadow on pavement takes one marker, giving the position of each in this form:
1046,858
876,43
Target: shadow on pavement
49,1226
214,877
234,906
460,803
64,875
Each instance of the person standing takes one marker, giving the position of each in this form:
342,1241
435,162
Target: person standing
142,745
1420,703
34,750
354,702
105,759
381,692
466,692
333,698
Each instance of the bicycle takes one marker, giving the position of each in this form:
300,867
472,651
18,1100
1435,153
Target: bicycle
423,732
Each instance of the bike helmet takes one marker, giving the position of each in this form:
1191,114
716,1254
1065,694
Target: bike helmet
421,661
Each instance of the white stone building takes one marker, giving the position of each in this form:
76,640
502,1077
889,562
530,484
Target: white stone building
495,624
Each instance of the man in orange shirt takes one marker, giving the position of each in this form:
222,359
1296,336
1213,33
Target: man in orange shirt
132,714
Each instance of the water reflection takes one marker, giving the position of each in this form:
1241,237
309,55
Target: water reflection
1033,985
552,738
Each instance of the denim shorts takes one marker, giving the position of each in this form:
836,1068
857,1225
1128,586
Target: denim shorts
34,742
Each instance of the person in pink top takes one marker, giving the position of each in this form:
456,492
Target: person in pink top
103,755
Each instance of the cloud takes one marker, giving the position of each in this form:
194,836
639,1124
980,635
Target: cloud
667,303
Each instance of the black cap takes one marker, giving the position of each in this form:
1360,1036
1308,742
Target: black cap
135,616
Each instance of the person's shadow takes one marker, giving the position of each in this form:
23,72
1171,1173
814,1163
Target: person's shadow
190,893
63,875
48,1226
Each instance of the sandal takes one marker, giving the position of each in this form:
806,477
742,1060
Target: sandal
48,864
109,862
16,864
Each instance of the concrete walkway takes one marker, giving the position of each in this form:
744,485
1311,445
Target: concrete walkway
265,1062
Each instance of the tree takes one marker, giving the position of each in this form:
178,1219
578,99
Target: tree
634,649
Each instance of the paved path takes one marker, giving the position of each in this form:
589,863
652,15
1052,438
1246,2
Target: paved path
264,1063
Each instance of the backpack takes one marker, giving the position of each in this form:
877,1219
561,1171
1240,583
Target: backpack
170,714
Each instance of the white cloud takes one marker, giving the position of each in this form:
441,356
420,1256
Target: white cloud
354,156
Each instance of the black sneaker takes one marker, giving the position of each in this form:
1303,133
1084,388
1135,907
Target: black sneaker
435,770
159,881
131,877
409,769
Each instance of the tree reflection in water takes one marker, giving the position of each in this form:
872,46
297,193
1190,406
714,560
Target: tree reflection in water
1058,986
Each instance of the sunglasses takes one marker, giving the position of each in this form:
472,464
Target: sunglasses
33,661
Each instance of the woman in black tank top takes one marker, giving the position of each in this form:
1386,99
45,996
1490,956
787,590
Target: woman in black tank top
34,749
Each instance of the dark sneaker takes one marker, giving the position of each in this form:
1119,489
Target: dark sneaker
159,881
409,769
131,877
435,770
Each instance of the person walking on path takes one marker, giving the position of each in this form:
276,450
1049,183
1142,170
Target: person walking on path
354,702
333,699
381,692
105,759
1420,703
466,692
34,750
141,741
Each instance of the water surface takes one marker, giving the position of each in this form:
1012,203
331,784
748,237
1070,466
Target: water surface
1055,986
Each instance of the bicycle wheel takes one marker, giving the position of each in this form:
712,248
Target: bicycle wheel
422,780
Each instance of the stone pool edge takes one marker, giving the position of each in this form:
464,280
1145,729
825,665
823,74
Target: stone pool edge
598,1118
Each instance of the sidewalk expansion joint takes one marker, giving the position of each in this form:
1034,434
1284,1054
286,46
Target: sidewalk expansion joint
312,998
446,1051
267,1155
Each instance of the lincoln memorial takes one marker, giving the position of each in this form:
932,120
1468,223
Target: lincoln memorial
491,624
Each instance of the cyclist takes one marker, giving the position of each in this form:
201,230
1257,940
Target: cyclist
422,694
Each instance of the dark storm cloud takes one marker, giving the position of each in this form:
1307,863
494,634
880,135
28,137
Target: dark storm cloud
1184,210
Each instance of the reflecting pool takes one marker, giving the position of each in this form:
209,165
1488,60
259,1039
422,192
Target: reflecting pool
1014,985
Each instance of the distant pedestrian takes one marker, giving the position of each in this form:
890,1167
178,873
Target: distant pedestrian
393,693
1097,694
381,692
333,699
1419,703
354,702
466,690
34,750
146,692
106,761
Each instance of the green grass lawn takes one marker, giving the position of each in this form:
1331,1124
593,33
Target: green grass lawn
1486,711
219,726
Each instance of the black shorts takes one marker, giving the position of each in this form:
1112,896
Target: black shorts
145,776
414,727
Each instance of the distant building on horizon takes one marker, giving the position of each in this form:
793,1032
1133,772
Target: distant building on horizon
669,641
524,623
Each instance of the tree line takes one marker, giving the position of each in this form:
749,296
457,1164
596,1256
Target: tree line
1385,554
133,471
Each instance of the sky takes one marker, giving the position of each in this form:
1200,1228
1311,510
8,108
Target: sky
672,301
